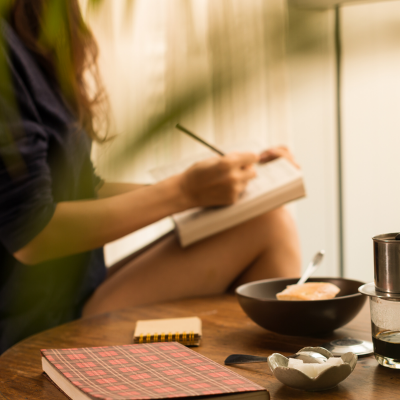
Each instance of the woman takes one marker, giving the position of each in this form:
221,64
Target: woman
56,214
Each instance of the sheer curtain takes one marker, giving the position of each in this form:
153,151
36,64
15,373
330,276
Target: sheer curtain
215,66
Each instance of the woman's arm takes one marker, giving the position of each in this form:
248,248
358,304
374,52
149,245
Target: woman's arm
109,189
80,226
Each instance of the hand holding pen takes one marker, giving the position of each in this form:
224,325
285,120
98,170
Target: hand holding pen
217,180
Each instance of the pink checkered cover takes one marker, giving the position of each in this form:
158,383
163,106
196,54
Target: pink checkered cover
145,371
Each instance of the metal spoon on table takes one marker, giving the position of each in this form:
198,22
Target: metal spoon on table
307,356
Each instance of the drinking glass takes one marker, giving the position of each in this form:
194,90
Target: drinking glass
385,322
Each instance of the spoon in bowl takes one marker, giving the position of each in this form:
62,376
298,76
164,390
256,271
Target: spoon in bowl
314,264
308,357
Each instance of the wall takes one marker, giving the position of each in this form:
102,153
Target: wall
369,102
312,77
371,126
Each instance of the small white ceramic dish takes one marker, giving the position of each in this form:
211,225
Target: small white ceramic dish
327,379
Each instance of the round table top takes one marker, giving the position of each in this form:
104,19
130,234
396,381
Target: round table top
226,330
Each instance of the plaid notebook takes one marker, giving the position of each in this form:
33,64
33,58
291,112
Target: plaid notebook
142,371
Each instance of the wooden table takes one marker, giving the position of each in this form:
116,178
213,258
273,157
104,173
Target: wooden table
226,330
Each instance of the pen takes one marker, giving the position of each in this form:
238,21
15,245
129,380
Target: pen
181,128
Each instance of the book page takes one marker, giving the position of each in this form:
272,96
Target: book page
269,176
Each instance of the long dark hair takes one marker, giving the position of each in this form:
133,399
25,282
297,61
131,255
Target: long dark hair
56,33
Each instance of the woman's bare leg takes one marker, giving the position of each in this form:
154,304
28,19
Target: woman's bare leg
264,247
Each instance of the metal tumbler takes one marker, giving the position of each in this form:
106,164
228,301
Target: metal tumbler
387,262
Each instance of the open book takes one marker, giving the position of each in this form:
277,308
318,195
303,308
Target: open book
277,182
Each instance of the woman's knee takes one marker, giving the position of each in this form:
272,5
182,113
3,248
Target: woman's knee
274,223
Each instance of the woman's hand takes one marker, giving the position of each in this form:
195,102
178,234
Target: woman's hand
218,181
276,152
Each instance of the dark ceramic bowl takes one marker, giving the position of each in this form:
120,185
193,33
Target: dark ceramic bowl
300,318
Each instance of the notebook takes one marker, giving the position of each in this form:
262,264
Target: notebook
144,371
183,330
278,182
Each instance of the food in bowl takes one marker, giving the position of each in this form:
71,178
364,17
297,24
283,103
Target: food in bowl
309,291
300,318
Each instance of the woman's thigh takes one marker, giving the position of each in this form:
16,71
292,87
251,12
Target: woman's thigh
166,271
